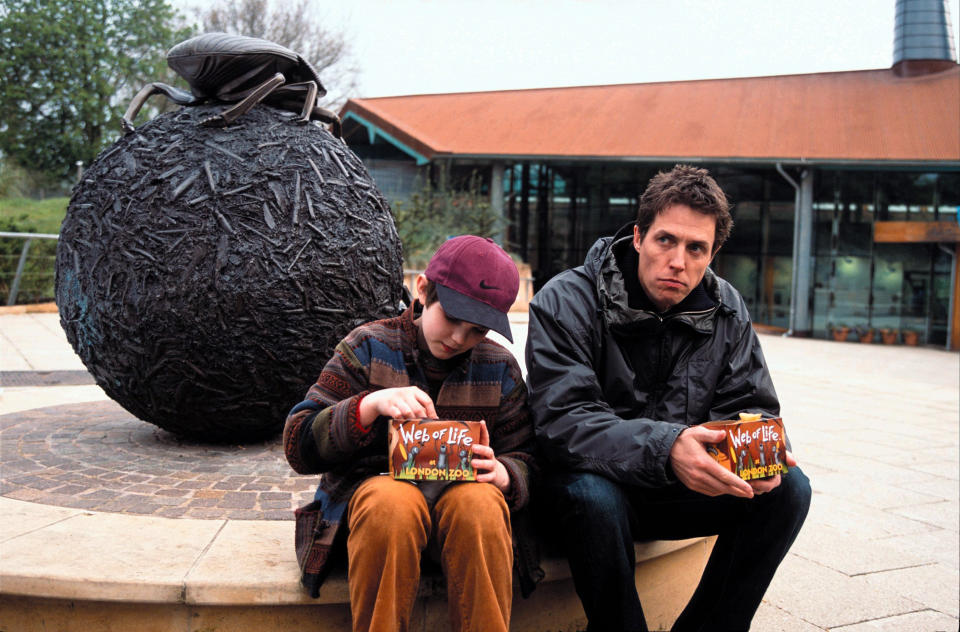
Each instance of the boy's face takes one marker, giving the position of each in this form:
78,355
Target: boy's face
445,336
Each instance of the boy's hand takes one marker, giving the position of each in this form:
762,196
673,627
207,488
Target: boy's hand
407,402
484,459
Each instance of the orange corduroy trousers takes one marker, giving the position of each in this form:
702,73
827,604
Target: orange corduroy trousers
390,526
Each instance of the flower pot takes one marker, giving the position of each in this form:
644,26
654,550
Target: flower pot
889,336
865,336
910,337
840,333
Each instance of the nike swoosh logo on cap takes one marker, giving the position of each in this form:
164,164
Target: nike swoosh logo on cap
484,286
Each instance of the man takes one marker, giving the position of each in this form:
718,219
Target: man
627,355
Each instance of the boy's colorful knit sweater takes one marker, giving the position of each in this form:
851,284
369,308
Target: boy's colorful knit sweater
323,434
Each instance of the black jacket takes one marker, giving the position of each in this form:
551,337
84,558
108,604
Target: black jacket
612,383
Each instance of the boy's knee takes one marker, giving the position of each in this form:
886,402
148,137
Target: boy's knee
382,506
477,508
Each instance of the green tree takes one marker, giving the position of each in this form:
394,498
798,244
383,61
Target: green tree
68,70
440,209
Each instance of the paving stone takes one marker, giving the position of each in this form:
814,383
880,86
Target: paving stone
30,561
943,514
849,553
933,585
57,455
863,490
941,546
178,493
24,494
191,485
172,512
23,517
944,456
234,500
142,488
168,501
214,576
922,621
937,469
828,598
945,488
770,618
209,493
868,523
274,504
278,515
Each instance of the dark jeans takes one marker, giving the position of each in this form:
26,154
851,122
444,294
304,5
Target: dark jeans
596,521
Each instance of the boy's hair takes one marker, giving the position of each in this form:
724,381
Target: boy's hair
690,186
431,293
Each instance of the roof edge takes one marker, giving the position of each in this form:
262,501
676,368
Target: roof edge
419,143
791,162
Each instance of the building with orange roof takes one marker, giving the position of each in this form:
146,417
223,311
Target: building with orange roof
846,185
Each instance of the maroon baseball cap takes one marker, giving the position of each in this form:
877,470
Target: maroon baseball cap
476,281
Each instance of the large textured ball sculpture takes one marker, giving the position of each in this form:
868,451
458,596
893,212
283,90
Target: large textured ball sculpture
204,275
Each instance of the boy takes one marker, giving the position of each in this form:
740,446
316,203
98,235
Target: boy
432,361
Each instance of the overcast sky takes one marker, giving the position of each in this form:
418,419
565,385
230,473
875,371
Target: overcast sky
429,46
426,46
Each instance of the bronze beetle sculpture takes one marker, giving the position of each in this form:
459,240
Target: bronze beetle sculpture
205,274
242,70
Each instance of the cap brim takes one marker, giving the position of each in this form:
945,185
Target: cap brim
462,307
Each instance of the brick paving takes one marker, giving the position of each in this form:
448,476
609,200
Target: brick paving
97,456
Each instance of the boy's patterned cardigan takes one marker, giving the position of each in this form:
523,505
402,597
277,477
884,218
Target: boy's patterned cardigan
323,435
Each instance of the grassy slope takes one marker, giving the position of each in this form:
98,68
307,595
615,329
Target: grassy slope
42,216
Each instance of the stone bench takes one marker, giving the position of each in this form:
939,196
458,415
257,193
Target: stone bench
69,569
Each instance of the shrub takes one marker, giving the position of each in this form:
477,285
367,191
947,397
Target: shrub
437,211
36,281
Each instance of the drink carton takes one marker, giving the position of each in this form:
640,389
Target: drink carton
433,450
753,448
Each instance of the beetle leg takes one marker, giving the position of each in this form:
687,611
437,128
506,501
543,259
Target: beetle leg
291,93
259,93
174,94
328,117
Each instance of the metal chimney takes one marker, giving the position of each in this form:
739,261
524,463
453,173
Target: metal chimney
922,38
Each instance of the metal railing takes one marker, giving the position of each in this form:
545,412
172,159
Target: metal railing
29,237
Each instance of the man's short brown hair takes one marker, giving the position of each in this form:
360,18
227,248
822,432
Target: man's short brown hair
691,186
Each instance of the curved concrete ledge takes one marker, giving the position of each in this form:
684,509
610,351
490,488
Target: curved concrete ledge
83,570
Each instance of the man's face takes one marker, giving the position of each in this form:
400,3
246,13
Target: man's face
674,254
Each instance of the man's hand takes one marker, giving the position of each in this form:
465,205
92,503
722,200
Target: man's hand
763,485
698,471
407,402
494,471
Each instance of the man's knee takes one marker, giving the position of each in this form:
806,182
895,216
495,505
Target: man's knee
588,494
795,491
788,505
